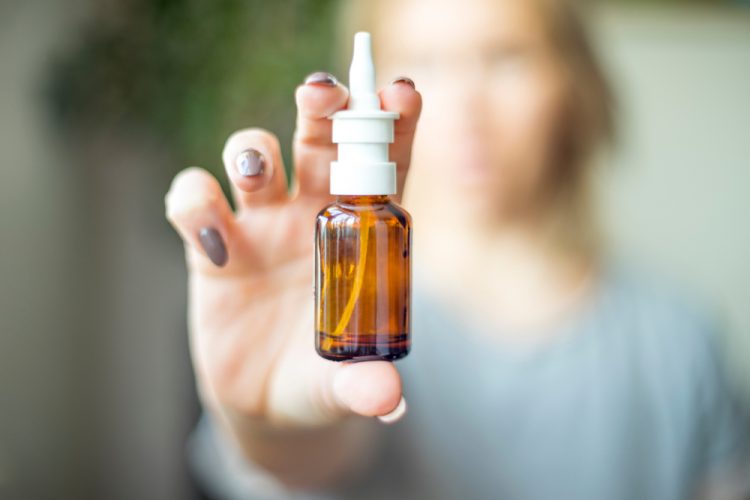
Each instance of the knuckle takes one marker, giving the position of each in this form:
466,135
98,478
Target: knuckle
193,190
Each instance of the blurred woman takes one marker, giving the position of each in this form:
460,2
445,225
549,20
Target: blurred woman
539,370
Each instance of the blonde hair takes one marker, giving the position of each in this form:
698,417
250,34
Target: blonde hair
590,116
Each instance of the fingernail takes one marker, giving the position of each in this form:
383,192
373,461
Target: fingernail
321,78
213,244
396,414
404,79
250,162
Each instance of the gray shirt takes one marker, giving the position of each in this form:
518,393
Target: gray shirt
628,400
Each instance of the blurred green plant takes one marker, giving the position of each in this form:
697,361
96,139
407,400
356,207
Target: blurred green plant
189,72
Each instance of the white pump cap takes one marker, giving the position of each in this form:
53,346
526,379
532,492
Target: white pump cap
363,132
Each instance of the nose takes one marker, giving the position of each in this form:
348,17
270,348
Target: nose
465,97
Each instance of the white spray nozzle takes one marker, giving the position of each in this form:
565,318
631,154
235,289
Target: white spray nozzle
363,132
362,75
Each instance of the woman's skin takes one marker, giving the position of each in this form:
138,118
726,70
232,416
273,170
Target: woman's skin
479,195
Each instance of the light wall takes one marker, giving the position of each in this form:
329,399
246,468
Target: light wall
678,195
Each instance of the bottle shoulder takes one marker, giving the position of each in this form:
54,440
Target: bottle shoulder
388,212
401,212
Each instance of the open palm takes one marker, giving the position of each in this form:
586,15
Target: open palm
251,272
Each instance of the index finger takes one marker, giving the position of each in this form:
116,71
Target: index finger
319,97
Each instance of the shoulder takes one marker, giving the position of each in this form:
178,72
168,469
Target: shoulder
669,336
676,352
666,332
658,310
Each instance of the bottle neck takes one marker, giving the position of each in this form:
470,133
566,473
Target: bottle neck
363,199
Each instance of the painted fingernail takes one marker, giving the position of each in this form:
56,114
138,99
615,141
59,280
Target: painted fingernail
321,78
213,244
250,163
404,79
396,414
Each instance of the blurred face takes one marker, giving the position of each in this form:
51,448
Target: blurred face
493,93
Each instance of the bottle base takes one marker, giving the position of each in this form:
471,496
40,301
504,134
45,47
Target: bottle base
342,350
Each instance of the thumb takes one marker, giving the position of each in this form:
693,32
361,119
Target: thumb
368,388
306,389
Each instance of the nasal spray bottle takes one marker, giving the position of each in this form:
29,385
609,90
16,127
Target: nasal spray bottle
363,240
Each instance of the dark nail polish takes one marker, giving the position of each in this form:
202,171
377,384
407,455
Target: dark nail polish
404,79
213,244
321,78
250,162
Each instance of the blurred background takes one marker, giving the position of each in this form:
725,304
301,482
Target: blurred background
101,103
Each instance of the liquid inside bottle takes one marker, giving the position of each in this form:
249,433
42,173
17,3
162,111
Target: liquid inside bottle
363,279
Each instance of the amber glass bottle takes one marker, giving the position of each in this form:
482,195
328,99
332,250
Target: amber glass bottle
363,279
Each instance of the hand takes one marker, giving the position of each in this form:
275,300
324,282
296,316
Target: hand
251,271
